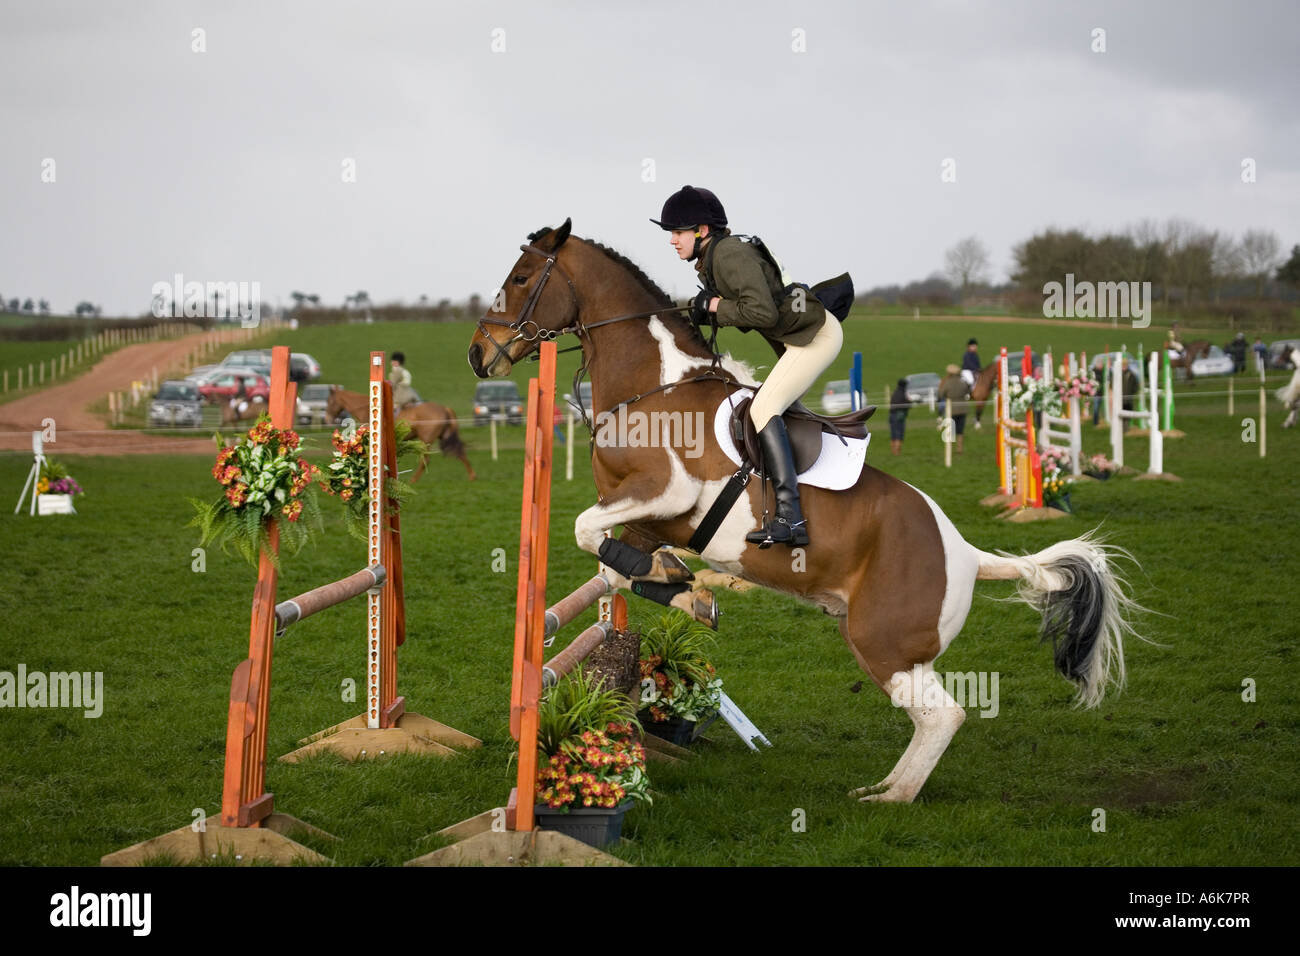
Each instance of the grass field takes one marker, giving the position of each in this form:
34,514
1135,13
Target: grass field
1186,771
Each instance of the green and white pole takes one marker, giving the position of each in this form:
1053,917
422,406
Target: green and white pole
1142,392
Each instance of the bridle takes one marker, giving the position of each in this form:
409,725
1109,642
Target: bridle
522,334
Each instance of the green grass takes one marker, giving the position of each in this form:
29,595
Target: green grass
1186,771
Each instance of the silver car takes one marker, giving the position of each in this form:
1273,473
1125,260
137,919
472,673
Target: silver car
1218,362
177,404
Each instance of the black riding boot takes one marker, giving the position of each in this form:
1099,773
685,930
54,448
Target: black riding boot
787,527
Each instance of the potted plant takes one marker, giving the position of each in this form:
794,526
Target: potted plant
681,691
1100,467
591,765
1056,480
56,483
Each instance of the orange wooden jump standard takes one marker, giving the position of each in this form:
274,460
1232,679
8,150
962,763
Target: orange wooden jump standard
507,835
249,829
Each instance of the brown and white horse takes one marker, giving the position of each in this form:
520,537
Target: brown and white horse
985,385
246,410
429,421
1197,348
884,561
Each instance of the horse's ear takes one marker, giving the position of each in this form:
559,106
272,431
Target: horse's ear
549,240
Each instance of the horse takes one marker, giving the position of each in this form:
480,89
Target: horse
985,385
1289,394
885,561
429,422
1199,348
252,408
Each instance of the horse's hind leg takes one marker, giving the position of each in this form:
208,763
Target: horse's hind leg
936,718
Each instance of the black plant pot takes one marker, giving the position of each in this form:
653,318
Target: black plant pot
594,826
677,730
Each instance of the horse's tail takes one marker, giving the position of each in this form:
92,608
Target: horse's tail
1084,604
449,442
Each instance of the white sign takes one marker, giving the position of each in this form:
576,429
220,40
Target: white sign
741,724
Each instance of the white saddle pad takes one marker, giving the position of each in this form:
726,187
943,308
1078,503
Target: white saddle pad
836,468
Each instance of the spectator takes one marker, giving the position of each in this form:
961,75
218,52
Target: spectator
1237,349
899,403
1129,387
970,364
1099,373
400,379
1261,354
957,390
240,395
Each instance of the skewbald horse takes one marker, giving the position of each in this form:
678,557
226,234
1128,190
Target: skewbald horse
429,421
884,561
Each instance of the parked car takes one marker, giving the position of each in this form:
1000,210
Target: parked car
923,387
498,400
313,402
222,387
584,390
838,397
200,372
1277,353
1218,362
177,404
302,366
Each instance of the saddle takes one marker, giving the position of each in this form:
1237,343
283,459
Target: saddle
803,425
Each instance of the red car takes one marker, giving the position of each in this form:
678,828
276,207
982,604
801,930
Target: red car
222,388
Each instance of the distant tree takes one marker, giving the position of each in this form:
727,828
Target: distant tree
29,305
967,264
44,306
1260,252
85,308
1049,256
362,299
313,299
1289,271
1225,262
475,305
13,305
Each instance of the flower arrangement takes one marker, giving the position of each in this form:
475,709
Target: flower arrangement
55,480
677,678
265,484
1056,480
348,474
1033,393
1082,385
588,751
1099,466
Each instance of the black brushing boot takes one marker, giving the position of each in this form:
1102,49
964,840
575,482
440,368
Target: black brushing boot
788,526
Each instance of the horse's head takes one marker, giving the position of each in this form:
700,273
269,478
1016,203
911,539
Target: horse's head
534,304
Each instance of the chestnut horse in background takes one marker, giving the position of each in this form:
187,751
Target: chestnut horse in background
253,408
885,561
429,421
985,385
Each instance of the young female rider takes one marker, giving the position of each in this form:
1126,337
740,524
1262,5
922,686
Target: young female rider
743,288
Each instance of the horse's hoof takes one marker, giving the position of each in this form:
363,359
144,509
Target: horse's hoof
667,568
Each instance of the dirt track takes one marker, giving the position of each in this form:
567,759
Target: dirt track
82,432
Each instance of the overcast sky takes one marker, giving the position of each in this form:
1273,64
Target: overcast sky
227,165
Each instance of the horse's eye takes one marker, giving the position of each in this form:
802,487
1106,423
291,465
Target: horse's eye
520,280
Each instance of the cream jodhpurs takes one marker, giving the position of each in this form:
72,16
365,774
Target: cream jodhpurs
795,371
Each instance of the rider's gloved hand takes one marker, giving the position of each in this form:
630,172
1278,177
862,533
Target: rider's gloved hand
700,307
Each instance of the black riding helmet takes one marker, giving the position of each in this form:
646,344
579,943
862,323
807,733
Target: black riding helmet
689,207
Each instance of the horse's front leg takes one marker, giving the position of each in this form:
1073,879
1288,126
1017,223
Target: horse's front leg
659,576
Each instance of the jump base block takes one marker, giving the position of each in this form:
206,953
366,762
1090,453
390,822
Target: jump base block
517,848
413,733
243,846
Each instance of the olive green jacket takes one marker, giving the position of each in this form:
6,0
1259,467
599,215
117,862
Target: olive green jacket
750,289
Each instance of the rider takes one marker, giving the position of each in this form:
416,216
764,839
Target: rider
1175,342
970,364
400,379
744,289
